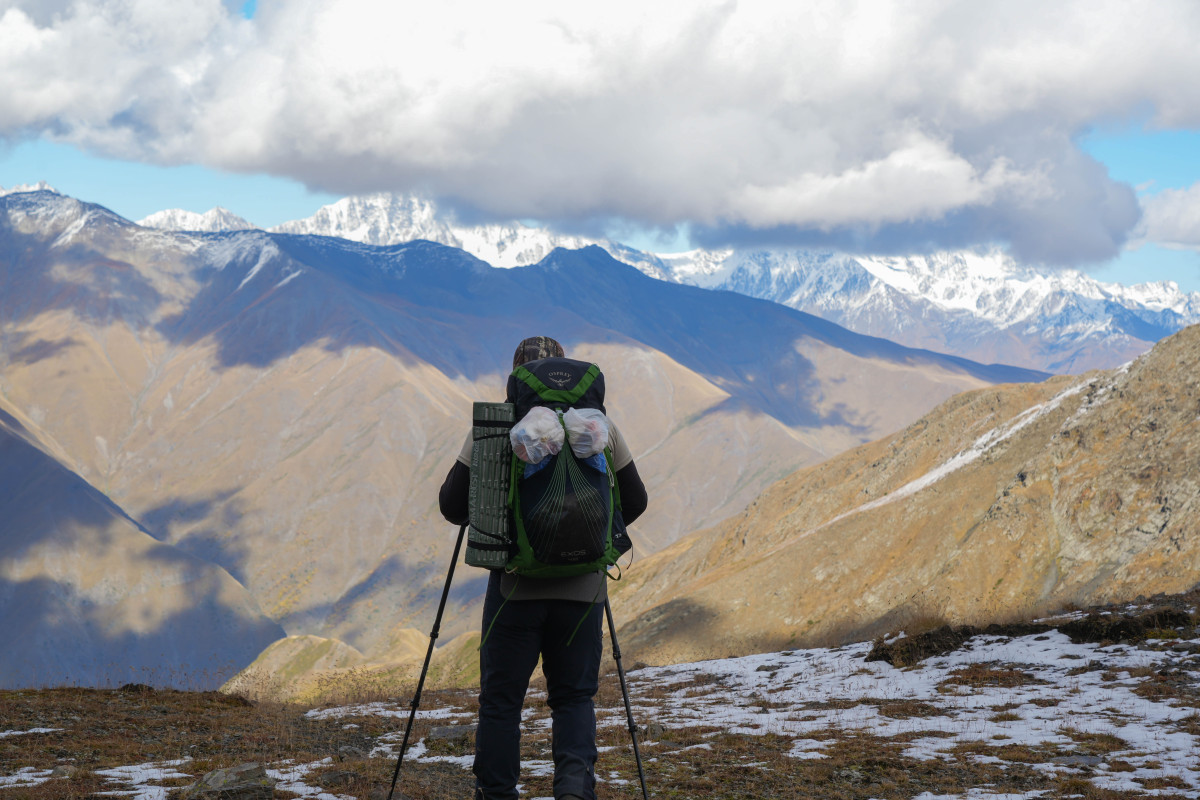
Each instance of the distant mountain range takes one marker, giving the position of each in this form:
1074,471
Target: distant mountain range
283,407
979,305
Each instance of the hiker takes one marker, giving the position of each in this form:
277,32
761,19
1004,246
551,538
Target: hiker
558,619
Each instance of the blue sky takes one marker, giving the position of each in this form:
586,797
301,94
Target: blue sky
879,127
135,190
1150,161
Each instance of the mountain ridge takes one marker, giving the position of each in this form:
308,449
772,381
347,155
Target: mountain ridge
981,305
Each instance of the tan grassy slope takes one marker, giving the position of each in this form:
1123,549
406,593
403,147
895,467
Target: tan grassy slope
1001,501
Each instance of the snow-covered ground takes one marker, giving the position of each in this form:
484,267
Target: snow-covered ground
1060,697
1039,691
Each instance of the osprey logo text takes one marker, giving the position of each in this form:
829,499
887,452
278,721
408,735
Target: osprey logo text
559,378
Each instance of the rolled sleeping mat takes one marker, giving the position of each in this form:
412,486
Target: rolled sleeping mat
489,537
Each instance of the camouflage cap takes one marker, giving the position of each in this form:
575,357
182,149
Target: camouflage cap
536,347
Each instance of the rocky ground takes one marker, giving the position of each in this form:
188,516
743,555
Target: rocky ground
1095,704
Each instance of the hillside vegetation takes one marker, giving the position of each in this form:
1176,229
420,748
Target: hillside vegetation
999,503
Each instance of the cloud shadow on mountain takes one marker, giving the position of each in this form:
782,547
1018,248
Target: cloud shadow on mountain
56,637
13,424
212,544
42,501
81,279
676,624
421,585
282,293
424,302
838,415
30,352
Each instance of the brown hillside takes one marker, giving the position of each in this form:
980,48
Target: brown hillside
1002,501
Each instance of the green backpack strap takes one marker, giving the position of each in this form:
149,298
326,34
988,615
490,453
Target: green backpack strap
568,396
612,476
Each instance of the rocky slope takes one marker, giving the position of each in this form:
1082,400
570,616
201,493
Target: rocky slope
1000,502
286,406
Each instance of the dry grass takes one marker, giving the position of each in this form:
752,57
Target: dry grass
988,675
1095,744
102,729
906,709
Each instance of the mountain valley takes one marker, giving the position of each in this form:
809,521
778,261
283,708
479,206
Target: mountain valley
284,407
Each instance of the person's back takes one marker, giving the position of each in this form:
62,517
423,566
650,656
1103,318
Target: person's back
557,619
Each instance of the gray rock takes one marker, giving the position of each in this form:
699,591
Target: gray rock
351,752
243,782
453,733
341,778
850,775
655,731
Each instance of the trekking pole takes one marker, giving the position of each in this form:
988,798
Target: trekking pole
612,632
433,634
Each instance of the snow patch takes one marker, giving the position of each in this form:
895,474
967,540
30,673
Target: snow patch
26,776
981,446
31,730
291,777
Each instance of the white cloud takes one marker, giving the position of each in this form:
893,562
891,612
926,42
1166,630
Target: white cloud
921,180
1172,217
946,120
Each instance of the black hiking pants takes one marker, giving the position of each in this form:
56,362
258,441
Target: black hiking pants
524,630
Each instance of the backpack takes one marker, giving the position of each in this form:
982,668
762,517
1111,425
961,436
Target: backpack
565,517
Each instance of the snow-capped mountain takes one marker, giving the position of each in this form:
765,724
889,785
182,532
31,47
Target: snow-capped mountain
212,221
40,186
386,218
981,305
